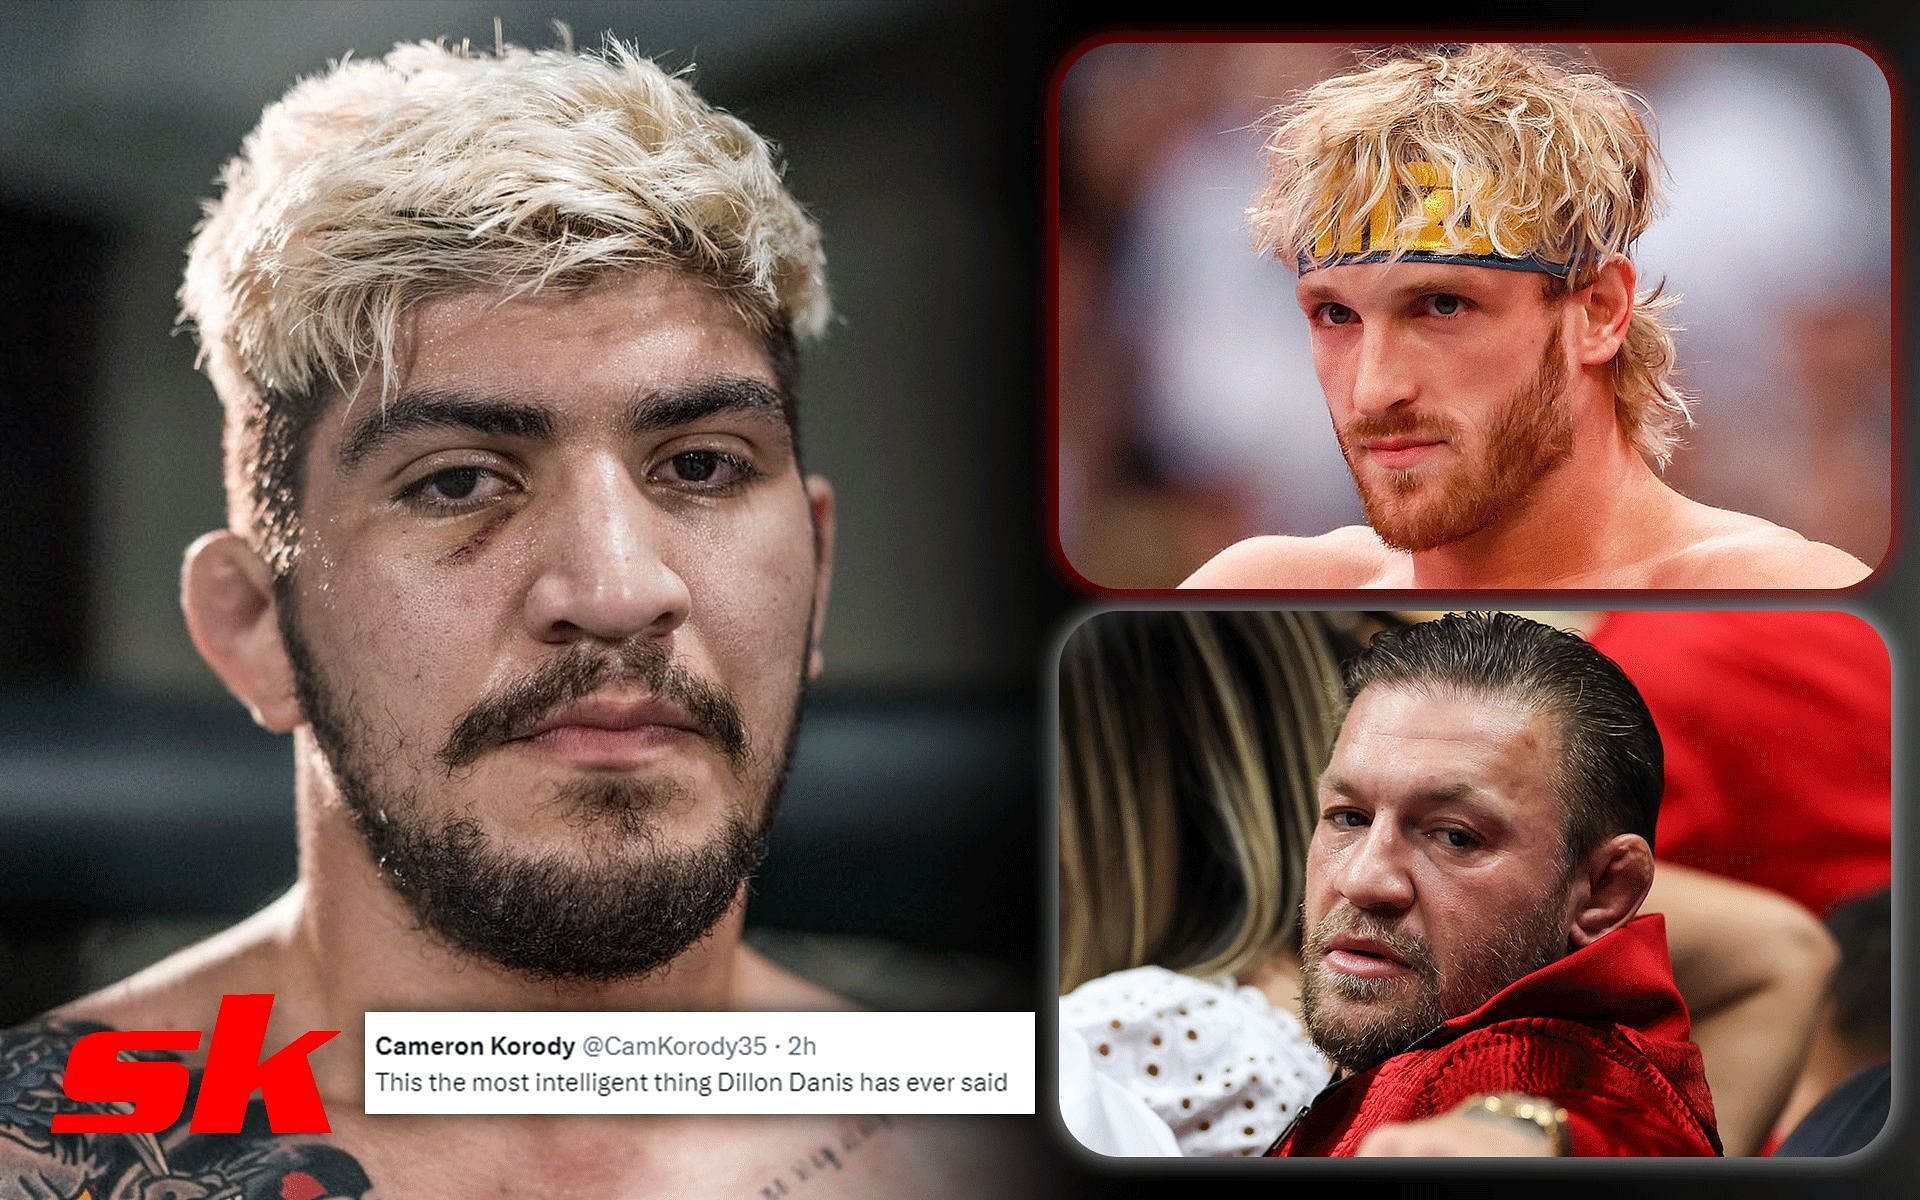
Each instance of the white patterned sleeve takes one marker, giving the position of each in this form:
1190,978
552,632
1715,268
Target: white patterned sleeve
1221,1066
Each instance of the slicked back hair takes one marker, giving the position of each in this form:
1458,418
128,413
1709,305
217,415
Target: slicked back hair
1612,770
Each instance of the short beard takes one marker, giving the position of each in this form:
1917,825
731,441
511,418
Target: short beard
630,908
1529,436
1516,949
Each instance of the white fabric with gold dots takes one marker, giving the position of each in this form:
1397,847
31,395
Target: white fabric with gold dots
1219,1064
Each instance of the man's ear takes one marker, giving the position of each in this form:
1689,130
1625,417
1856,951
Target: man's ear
820,503
1603,308
226,591
1609,887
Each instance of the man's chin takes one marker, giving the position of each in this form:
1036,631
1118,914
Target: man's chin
1410,532
1356,1035
1423,518
600,891
622,914
1358,1020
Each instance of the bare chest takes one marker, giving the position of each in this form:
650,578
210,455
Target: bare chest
749,1158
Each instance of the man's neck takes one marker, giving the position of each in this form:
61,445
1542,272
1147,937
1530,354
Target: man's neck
347,944
1597,515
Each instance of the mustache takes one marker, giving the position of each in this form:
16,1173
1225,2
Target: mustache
516,709
1409,948
1391,424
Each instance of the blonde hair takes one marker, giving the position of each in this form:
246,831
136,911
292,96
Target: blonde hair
1190,751
1538,161
375,185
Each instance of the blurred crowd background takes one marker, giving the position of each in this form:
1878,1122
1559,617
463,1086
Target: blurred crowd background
1189,413
139,807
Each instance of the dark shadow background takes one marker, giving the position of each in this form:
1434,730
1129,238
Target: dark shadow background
1893,31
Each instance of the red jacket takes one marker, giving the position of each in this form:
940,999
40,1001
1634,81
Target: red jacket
1602,1033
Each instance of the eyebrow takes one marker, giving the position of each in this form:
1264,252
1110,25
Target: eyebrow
1446,793
1315,292
435,408
505,416
683,404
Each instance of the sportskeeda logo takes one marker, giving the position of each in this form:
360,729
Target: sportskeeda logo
157,1090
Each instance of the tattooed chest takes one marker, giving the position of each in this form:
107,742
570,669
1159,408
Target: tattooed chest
812,1169
39,1164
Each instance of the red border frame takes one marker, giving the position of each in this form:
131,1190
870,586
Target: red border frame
1050,306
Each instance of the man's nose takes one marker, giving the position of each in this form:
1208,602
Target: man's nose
1375,875
1383,371
603,569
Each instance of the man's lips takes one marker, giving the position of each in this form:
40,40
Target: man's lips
611,731
1400,452
1363,956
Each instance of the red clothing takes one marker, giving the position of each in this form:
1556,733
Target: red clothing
1777,728
1602,1033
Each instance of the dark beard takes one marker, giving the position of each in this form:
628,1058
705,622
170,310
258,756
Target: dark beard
629,909
1527,438
1514,950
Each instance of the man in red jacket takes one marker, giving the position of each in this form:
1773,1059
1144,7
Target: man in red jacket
1473,965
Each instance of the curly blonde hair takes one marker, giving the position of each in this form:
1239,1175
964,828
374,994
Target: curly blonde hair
378,184
1484,150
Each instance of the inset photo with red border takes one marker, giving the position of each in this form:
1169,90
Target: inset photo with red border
1599,315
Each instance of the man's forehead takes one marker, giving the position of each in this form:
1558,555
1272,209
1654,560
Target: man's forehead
1399,732
648,318
593,353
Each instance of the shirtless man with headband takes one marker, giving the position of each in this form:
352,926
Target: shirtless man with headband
1499,384
521,552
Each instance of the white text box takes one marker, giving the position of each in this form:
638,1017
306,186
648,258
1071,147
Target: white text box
700,1062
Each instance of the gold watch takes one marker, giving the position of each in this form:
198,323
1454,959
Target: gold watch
1545,1116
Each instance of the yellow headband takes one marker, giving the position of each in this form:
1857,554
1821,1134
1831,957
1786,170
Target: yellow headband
1434,241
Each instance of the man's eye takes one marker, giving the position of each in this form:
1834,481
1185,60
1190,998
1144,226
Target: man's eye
457,489
1337,314
1444,304
707,471
1345,818
1457,839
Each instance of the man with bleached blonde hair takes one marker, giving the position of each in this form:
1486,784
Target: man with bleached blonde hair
521,552
1499,384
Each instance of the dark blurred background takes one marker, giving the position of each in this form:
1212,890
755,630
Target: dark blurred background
138,806
1190,416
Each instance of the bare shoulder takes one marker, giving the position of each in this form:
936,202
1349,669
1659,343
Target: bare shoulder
183,990
1738,551
1353,556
